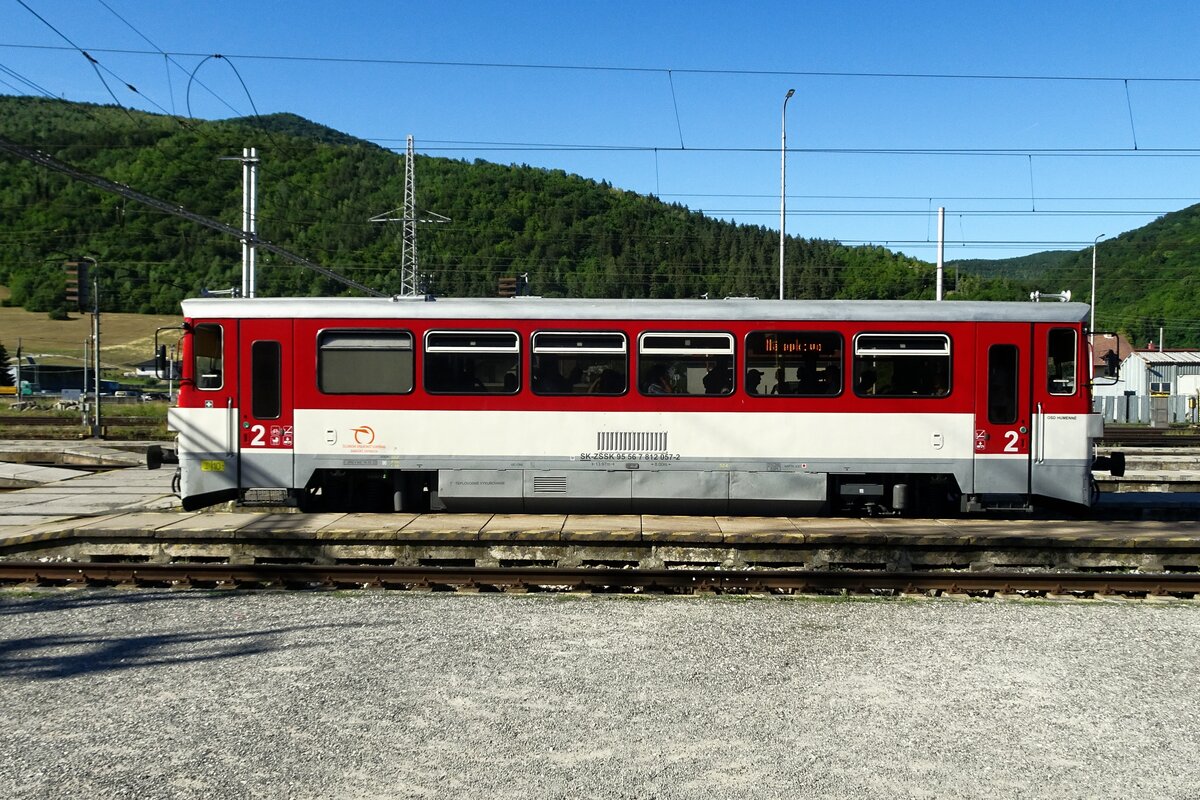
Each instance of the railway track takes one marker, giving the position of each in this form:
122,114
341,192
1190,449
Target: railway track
1148,437
664,581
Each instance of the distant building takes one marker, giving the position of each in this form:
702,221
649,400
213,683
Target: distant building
1166,380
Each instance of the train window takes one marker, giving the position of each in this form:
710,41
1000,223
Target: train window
472,362
579,363
265,380
1061,352
1003,370
685,363
794,363
365,362
902,365
206,356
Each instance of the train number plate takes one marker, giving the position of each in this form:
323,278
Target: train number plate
212,466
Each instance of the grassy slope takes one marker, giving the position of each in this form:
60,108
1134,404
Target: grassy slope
125,339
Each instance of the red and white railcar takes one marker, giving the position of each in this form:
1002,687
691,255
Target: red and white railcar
741,406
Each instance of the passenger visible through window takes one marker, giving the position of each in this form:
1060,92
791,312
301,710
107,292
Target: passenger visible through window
793,363
902,365
472,362
685,363
579,363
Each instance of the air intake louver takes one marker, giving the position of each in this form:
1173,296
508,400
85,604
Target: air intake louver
631,441
550,484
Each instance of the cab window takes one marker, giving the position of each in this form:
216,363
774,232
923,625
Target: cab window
206,356
1061,358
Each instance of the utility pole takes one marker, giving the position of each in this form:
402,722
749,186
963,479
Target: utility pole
410,217
249,159
83,390
19,395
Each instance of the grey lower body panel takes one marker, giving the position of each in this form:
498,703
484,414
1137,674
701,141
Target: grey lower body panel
641,491
689,486
1070,481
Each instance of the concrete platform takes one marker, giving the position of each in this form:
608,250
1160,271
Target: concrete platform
136,505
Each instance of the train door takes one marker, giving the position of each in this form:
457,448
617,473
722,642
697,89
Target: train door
1002,409
265,414
1063,422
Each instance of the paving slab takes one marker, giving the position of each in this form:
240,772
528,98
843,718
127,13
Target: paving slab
286,526
680,529
445,527
524,527
602,528
36,529
366,526
137,523
760,530
198,524
13,473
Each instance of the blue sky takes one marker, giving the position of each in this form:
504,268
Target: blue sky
684,100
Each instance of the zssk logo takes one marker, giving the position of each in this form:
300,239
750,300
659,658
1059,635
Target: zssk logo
363,434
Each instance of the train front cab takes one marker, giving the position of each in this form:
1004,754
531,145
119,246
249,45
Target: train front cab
1034,427
235,411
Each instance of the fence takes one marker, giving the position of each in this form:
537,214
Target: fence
1160,410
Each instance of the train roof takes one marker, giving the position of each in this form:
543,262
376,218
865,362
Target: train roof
554,308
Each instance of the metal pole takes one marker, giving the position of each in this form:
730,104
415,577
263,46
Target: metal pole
783,184
253,217
941,251
97,428
1092,323
19,395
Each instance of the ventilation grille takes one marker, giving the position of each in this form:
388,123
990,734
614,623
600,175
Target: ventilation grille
549,484
632,441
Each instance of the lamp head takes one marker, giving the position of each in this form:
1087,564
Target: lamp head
789,94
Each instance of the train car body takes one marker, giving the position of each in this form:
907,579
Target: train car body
727,406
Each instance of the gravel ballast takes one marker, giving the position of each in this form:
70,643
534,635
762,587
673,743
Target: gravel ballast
156,694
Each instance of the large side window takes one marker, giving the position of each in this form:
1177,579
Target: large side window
1003,370
1061,357
794,363
902,365
472,362
579,363
685,363
365,362
265,380
206,356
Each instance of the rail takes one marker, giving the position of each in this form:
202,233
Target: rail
1149,437
48,421
593,579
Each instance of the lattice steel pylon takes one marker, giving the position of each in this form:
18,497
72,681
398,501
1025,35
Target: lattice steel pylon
410,217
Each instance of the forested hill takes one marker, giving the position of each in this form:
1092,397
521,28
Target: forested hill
317,190
1146,279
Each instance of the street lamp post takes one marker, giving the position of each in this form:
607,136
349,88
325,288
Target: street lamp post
783,184
1092,323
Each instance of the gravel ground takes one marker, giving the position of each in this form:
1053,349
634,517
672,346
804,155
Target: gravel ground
375,695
